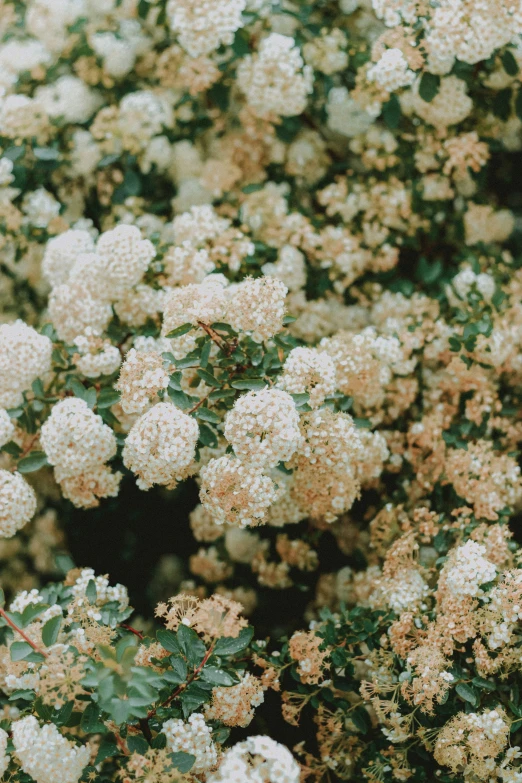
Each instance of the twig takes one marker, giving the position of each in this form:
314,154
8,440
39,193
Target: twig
200,403
184,685
132,630
121,743
226,347
145,728
28,448
24,636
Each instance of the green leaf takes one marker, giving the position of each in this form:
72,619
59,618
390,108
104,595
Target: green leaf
428,272
229,645
14,153
180,330
12,448
120,710
143,8
219,326
90,397
175,381
137,744
502,104
179,398
191,645
429,86
91,722
20,651
58,358
221,734
43,710
509,63
179,667
486,685
216,676
241,43
33,461
168,640
182,761
253,188
24,695
255,384
31,612
207,415
51,630
361,719
106,750
221,394
391,113
300,399
207,377
220,95
159,741
46,153
205,353
38,389
91,592
77,388
131,186
64,714
188,361
63,562
467,693
108,160
207,436
518,104
108,397
193,697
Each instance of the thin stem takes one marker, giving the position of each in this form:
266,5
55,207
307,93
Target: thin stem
28,448
145,728
132,630
18,630
121,743
201,402
184,685
215,337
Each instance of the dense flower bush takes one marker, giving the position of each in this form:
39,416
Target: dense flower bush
261,284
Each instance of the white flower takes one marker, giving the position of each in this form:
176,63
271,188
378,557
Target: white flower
263,427
6,428
235,493
203,25
391,71
193,736
467,569
75,439
257,306
161,445
25,356
4,758
276,80
258,759
308,371
45,754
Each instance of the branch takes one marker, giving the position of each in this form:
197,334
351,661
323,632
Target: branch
18,630
132,630
200,403
184,685
226,347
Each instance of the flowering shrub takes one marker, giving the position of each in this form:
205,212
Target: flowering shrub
260,280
